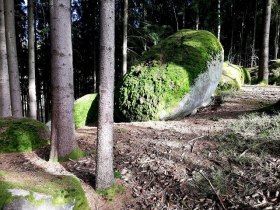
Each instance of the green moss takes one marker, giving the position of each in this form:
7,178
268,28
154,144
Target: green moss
86,110
76,154
164,75
111,192
63,189
21,135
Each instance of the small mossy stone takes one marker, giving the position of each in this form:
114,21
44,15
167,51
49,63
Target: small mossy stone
41,191
76,154
22,135
86,110
172,79
274,68
233,77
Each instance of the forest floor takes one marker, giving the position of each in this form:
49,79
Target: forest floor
224,157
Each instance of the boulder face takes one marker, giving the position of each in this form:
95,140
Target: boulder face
173,79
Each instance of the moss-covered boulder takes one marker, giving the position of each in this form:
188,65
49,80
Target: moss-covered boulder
274,76
233,77
85,110
41,191
171,80
22,135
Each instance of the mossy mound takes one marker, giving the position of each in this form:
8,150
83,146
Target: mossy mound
42,191
22,135
172,79
233,77
85,110
274,68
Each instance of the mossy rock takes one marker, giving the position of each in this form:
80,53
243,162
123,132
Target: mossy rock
233,77
22,135
86,110
172,79
41,191
274,68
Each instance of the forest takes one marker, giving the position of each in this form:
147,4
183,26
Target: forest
139,104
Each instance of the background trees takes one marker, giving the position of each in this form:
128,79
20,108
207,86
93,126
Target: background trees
148,22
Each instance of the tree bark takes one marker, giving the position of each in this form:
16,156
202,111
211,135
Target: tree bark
62,130
263,70
31,62
104,166
125,24
5,98
15,90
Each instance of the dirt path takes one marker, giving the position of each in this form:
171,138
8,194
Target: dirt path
158,160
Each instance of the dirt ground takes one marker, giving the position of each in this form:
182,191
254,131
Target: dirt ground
158,160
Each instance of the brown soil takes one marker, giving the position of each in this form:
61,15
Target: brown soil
156,159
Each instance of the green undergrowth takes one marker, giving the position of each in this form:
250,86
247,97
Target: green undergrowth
242,162
22,135
111,192
86,110
164,75
254,134
63,189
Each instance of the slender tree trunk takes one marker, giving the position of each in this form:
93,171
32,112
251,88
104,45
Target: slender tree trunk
219,20
125,24
5,98
263,70
197,18
31,62
276,38
62,131
176,16
253,61
12,58
233,24
104,166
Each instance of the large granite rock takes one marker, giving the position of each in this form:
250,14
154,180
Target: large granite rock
173,79
41,191
85,110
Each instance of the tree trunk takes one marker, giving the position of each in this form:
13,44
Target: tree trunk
253,60
5,98
62,131
12,58
31,62
197,17
125,23
219,20
276,38
104,165
263,70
